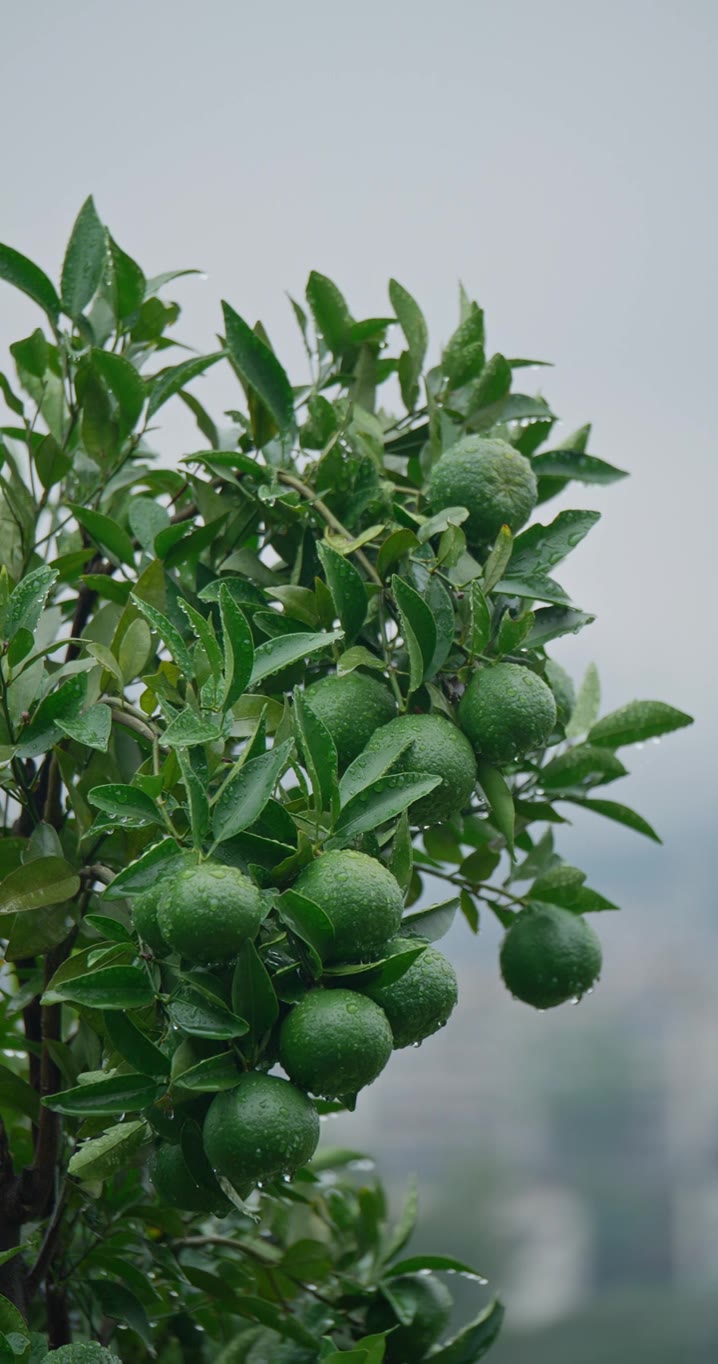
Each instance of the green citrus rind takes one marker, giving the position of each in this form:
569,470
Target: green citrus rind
360,897
263,1127
440,748
549,956
335,1042
206,912
506,712
491,479
421,1001
351,707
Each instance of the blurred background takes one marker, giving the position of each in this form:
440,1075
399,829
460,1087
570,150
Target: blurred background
559,159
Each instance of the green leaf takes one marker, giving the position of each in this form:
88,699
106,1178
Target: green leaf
110,987
238,647
164,385
127,803
416,1263
381,801
23,274
259,367
493,384
106,532
308,921
189,728
168,633
101,1157
385,971
329,310
197,800
133,1046
585,710
540,548
202,1015
554,621
212,1074
501,805
42,882
584,762
84,260
403,1229
11,1320
513,631
468,908
432,923
534,587
17,1094
358,657
319,753
368,767
244,795
135,650
253,993
480,619
109,928
414,613
143,873
347,589
124,383
105,1098
402,853
474,1340
27,601
636,722
92,728
464,356
620,813
394,548
559,885
279,653
577,465
128,282
413,325
498,559
122,1306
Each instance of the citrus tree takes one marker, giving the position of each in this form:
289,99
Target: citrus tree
249,703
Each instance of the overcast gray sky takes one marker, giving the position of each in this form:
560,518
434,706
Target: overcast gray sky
559,158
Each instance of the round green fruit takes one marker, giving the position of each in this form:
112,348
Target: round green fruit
430,1303
207,911
176,1187
491,479
438,747
422,1000
351,707
261,1128
550,956
360,897
506,711
144,918
84,1352
335,1042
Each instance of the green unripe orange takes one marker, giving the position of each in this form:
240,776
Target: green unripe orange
421,1001
144,918
491,479
549,956
175,1185
506,711
263,1127
439,748
207,911
351,707
431,1304
334,1042
360,897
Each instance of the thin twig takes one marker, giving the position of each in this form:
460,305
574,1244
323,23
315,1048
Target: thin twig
327,515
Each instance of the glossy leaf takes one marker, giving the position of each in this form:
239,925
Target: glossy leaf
474,1340
636,722
253,994
211,1075
133,1045
110,987
582,763
498,795
124,383
24,275
347,589
554,621
620,813
168,382
128,804
245,795
106,533
319,754
498,559
91,727
329,310
540,548
381,801
585,710
576,464
105,1098
259,367
432,923
42,882
101,1157
238,647
141,874
279,653
200,1015
480,619
84,260
308,921
414,612
413,325
168,634
27,601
